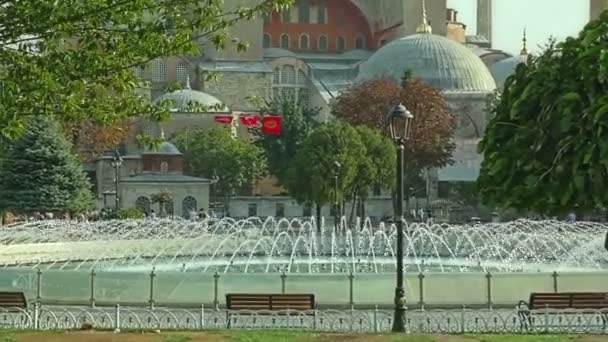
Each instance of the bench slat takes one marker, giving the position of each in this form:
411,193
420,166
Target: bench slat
574,300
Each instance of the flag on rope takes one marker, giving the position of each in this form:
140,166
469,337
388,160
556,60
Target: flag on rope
223,119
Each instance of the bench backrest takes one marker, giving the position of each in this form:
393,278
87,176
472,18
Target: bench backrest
569,300
251,301
12,299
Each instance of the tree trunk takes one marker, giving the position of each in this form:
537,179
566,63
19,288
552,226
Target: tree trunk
353,206
318,218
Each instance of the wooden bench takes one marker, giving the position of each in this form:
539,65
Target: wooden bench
269,304
12,301
586,302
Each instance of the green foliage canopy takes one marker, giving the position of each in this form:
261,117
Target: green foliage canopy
365,156
40,172
76,59
546,148
214,154
299,120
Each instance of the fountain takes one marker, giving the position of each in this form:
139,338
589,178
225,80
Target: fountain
274,245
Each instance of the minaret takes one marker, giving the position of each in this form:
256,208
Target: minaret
424,27
484,19
596,7
524,40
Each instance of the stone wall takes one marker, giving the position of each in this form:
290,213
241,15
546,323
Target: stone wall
131,191
471,113
233,88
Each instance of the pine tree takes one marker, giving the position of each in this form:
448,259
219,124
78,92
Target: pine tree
41,173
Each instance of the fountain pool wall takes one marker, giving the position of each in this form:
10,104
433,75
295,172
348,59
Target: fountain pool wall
189,288
197,263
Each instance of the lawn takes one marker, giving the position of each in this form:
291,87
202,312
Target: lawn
267,336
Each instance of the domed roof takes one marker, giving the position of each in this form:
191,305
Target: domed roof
503,69
165,148
442,62
183,100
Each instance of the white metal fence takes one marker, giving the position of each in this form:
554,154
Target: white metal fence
351,321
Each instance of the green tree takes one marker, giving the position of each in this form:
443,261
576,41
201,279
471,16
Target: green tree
546,147
310,177
40,172
299,120
234,164
377,168
75,59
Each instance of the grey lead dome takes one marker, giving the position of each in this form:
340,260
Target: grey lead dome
445,64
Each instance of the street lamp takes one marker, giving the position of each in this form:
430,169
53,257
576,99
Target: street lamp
116,163
337,167
400,125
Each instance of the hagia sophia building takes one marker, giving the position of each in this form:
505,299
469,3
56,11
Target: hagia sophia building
314,51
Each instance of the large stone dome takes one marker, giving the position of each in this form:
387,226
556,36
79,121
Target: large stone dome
503,69
184,100
445,64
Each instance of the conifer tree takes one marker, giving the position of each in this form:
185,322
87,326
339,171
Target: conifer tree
40,172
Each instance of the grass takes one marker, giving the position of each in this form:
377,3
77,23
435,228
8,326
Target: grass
275,336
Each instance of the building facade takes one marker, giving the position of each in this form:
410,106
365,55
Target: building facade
315,50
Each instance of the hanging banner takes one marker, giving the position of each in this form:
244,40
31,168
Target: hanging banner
223,119
250,120
271,124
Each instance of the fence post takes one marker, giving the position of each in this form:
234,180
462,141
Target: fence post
92,299
202,318
283,280
376,319
489,288
38,285
351,290
421,290
151,300
36,315
117,317
546,318
555,287
463,319
216,278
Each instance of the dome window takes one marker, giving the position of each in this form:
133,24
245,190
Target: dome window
322,43
284,41
340,43
267,42
304,42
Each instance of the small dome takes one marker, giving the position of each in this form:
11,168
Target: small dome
182,101
503,69
165,148
444,63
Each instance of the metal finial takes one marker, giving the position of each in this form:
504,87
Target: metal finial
188,81
524,50
424,27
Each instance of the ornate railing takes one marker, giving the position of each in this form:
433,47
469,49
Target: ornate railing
418,321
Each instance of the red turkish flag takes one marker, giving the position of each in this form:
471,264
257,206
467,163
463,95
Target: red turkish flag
249,120
271,124
223,119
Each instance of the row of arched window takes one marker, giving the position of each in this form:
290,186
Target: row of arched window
189,204
322,42
159,71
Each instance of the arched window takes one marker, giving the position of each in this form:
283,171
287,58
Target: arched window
301,77
359,43
276,76
143,204
304,42
340,43
286,16
159,70
181,74
267,41
288,75
284,41
322,13
322,43
303,11
189,204
169,208
164,167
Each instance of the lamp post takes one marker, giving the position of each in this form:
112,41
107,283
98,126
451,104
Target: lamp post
337,167
116,163
400,125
